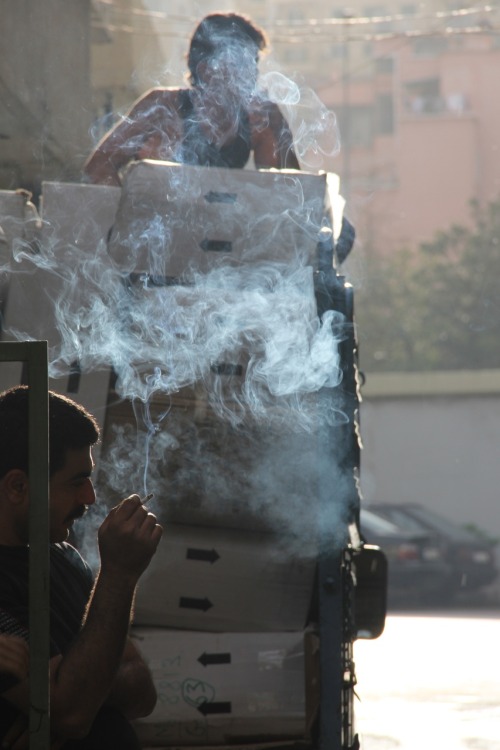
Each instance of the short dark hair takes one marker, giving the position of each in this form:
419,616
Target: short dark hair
213,30
71,427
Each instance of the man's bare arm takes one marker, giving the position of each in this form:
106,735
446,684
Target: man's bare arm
14,656
272,139
133,690
83,679
149,115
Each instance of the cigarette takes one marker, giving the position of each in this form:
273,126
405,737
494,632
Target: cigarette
146,499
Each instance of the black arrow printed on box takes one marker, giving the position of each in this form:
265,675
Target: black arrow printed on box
207,659
216,246
187,602
213,196
215,707
204,555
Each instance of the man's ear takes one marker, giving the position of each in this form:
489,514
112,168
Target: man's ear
16,486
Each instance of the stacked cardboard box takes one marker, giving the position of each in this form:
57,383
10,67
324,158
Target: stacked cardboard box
174,220
221,613
224,580
73,224
224,689
222,610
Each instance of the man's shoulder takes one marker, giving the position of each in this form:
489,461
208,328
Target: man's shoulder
161,96
66,550
14,552
68,555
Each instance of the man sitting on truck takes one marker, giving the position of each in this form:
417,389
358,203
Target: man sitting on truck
98,679
220,120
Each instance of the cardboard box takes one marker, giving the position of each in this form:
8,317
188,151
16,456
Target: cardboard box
224,580
205,471
76,220
78,214
12,225
223,689
189,217
12,218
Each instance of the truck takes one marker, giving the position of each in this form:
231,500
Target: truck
201,315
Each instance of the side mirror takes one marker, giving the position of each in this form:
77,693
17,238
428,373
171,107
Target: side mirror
370,591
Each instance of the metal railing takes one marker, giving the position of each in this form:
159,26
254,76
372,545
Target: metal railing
34,354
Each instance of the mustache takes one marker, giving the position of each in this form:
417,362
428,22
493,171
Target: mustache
77,513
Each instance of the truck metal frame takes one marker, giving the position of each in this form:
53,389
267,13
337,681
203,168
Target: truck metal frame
336,612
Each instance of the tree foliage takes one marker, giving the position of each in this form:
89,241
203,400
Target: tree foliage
437,307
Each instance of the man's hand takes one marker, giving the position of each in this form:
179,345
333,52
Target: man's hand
14,656
128,538
18,736
83,678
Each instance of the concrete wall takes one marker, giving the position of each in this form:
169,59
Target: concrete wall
434,438
44,90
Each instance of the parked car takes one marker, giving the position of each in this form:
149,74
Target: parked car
416,569
471,555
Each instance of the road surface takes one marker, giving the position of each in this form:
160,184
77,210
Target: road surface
431,682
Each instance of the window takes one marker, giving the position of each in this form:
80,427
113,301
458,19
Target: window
357,128
384,114
339,51
429,46
384,65
423,97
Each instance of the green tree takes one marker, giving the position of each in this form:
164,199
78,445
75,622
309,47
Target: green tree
437,307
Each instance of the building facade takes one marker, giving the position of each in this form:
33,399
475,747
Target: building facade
420,136
409,85
44,91
431,438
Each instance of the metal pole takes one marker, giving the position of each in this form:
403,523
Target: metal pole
339,486
330,638
34,353
39,566
347,14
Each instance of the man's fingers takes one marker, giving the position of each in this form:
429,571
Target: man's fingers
132,509
17,737
14,656
127,507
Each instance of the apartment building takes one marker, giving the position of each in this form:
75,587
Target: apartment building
44,91
410,84
420,134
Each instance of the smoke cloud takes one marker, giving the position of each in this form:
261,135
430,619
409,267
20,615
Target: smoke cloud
314,126
221,378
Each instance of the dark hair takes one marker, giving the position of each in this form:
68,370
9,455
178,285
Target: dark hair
212,33
70,427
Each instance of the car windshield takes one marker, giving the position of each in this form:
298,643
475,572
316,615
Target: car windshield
430,518
376,525
403,519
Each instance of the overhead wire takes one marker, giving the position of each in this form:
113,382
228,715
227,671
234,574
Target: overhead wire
307,23
366,37
320,29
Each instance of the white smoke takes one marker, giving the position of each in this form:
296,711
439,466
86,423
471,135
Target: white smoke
246,336
162,339
316,133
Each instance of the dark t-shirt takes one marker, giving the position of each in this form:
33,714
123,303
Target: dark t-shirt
70,586
198,150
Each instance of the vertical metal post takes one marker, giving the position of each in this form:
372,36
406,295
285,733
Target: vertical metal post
347,15
34,353
39,608
330,637
339,486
